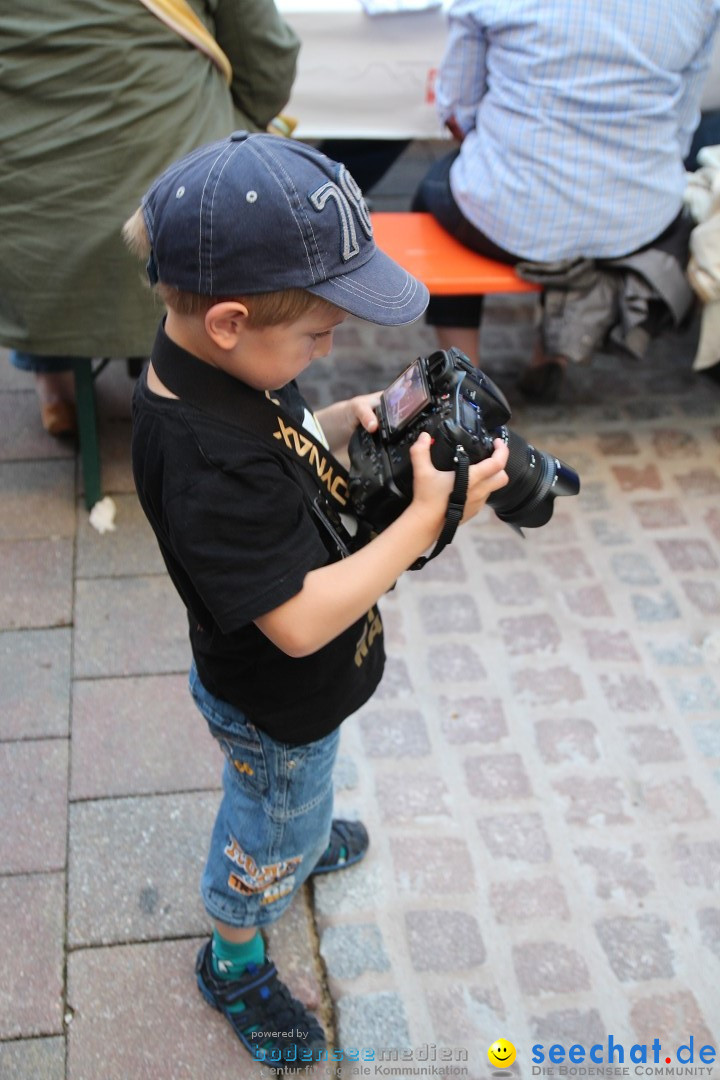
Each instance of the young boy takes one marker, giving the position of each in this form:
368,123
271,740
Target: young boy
260,247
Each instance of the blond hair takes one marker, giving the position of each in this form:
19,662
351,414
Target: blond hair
264,309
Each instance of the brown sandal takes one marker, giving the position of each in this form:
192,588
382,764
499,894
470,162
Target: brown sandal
59,418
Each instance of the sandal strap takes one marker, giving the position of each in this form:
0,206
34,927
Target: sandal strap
229,992
350,835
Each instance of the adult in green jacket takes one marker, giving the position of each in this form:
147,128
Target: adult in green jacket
96,98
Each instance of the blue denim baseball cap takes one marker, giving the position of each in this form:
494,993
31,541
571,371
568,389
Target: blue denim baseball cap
260,213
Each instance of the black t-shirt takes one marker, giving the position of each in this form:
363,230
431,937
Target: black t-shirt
238,536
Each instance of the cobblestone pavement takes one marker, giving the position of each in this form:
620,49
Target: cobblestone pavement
540,770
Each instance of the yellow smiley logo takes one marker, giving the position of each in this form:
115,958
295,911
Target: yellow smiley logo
501,1053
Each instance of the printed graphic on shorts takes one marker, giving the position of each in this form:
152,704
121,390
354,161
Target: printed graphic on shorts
269,895
253,879
244,767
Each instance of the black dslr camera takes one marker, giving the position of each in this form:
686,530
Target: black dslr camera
460,407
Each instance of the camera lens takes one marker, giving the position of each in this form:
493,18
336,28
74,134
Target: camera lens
536,479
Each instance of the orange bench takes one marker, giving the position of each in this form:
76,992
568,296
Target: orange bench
426,251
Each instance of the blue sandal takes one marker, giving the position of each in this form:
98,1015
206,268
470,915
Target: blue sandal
349,842
273,1026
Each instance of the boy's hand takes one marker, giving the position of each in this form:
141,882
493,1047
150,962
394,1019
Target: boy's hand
432,487
361,410
340,420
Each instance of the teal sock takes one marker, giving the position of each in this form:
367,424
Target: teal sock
229,960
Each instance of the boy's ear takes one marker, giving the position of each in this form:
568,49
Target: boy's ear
224,322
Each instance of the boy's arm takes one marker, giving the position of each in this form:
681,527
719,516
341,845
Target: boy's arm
335,596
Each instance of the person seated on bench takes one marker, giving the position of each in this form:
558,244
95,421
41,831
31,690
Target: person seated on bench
573,121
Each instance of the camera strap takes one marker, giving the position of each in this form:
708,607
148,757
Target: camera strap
455,509
323,478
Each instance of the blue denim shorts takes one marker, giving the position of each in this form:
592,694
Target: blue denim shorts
274,819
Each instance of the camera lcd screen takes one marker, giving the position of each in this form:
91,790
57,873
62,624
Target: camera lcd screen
405,397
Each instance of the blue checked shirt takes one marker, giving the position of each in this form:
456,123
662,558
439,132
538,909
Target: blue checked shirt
577,115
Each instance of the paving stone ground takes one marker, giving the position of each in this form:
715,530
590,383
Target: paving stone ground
539,771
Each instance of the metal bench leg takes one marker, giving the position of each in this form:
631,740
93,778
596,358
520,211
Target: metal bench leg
87,430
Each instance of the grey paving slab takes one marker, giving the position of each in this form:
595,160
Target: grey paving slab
21,432
350,950
130,550
364,889
36,499
37,583
34,683
129,626
33,1059
32,910
159,984
147,854
33,805
372,1022
137,1012
139,736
